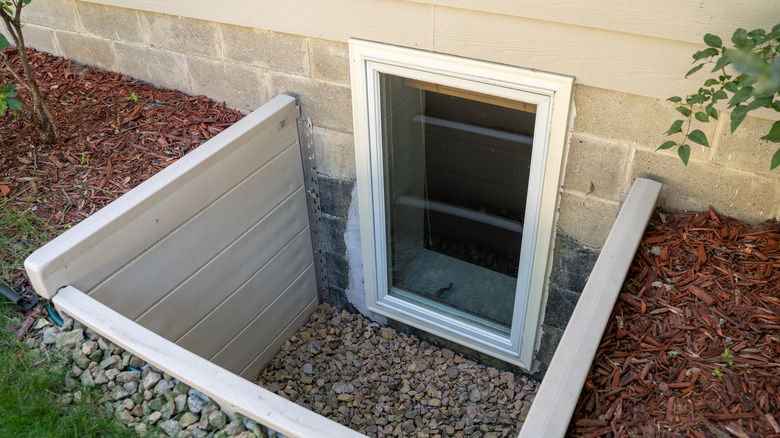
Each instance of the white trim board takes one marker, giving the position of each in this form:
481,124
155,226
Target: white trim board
557,396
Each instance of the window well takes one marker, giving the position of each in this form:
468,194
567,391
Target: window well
458,168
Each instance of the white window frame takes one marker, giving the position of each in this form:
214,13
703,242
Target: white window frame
551,93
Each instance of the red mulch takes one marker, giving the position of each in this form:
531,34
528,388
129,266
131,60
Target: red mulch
699,285
109,144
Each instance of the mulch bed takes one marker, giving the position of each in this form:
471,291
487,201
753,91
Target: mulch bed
110,142
693,346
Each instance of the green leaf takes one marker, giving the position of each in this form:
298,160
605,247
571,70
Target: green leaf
3,42
759,103
14,104
737,116
684,151
675,128
8,88
706,53
774,133
731,86
710,82
698,137
696,98
722,62
675,99
740,96
739,37
720,94
27,2
711,111
684,110
702,116
757,34
667,145
775,160
713,40
694,70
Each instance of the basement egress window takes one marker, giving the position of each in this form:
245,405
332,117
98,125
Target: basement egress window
459,163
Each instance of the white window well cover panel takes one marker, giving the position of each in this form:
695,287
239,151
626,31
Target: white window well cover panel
544,97
189,253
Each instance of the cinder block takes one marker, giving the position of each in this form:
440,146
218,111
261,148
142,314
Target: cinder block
744,148
551,337
335,196
111,22
57,14
602,163
560,306
586,219
160,67
335,153
239,86
40,38
745,196
263,48
327,103
94,51
183,34
635,120
330,60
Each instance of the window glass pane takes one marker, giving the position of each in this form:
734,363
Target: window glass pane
456,167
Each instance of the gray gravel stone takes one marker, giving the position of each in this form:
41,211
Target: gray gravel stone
180,401
128,376
218,419
163,385
170,427
89,347
188,418
381,382
196,400
154,417
235,427
49,335
68,339
150,380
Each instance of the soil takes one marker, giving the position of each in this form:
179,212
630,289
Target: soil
693,345
701,283
117,132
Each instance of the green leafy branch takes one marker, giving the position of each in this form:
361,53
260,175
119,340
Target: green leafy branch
755,56
7,95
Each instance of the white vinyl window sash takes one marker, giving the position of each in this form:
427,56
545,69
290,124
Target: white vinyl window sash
430,128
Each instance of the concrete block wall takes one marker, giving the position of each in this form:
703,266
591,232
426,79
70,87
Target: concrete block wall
612,140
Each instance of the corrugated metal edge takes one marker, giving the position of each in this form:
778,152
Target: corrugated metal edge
309,162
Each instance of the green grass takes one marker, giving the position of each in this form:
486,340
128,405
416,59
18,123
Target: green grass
30,390
21,232
30,381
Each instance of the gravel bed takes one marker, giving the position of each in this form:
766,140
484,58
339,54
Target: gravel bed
136,394
384,383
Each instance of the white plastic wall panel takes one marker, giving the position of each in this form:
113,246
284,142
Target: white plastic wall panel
195,240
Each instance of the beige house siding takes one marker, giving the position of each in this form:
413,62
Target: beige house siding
634,48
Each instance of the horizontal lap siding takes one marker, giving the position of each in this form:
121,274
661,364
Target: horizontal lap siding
642,49
211,243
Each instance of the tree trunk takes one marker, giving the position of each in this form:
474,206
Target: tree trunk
38,114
